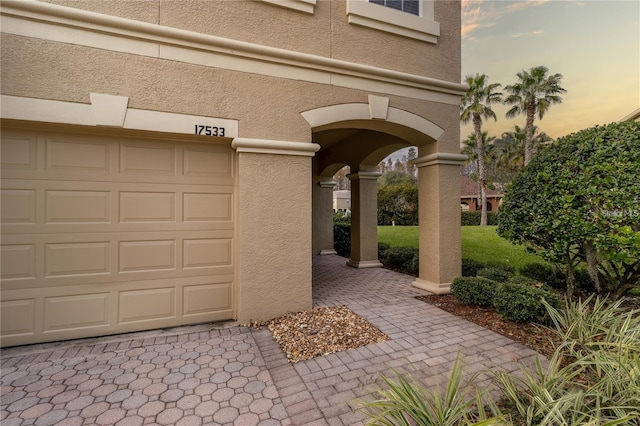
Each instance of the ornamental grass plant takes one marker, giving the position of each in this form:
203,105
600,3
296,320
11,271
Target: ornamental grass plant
592,378
406,402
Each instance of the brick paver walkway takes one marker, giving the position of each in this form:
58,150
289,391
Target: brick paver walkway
232,375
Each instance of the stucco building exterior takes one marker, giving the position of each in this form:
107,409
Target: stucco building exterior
148,148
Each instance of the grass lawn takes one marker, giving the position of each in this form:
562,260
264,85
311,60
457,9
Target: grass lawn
479,243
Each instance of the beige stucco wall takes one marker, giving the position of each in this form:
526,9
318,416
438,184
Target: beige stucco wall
274,244
267,107
331,34
274,224
440,250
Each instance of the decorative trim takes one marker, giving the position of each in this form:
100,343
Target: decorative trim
106,110
424,28
68,25
432,287
362,264
325,252
439,158
364,175
327,184
327,117
109,110
265,146
378,107
306,6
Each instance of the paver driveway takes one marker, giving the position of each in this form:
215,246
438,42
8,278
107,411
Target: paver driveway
228,374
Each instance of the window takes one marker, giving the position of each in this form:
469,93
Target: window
409,6
407,18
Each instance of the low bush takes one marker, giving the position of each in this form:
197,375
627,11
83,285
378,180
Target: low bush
474,290
470,267
545,273
472,218
500,265
522,280
523,303
495,274
401,258
382,249
342,238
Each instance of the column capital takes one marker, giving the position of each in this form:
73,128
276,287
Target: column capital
440,158
327,184
364,175
266,146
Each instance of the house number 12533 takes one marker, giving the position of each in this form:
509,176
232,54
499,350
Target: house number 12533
209,130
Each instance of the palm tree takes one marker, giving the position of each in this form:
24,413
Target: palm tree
471,150
476,105
534,92
513,151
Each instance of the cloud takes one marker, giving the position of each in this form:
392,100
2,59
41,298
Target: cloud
512,7
531,34
479,14
475,15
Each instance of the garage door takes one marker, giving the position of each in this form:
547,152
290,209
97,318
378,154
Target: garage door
104,235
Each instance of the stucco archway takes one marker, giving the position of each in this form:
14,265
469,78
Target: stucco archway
361,135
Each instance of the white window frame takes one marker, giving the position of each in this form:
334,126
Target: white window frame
419,8
371,15
306,6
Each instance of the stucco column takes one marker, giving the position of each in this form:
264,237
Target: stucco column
439,198
274,227
323,215
364,220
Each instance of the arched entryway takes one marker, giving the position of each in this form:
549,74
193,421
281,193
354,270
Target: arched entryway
360,135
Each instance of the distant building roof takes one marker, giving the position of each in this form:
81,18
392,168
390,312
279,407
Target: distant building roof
343,193
469,188
634,116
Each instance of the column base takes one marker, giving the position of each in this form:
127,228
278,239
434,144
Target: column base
327,251
432,287
360,264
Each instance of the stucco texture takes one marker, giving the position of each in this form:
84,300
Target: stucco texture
266,24
266,107
275,234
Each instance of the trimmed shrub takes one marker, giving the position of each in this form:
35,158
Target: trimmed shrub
470,267
495,274
402,258
522,280
382,249
472,218
342,238
501,265
522,303
474,290
545,273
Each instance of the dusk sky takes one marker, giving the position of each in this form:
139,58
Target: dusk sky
595,45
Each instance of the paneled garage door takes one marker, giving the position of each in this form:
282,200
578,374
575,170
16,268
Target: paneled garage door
104,235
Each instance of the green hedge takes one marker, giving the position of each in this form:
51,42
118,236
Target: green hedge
545,273
472,218
471,267
495,274
523,303
474,290
342,238
405,259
